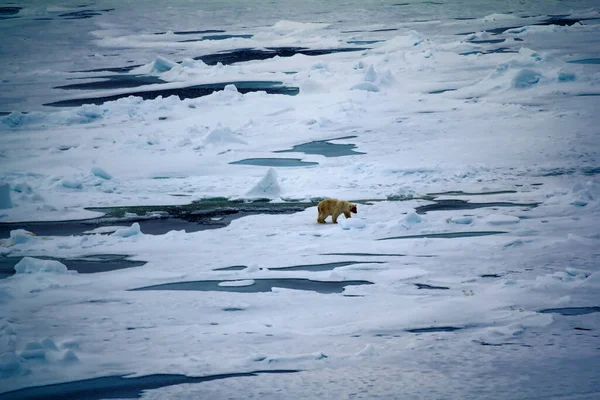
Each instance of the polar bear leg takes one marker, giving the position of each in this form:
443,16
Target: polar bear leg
335,217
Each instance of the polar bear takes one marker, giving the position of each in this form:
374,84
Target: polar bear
335,208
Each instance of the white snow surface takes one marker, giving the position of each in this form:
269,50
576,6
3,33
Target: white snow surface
517,128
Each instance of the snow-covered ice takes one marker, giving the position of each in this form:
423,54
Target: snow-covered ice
133,230
245,282
30,265
477,160
267,187
351,223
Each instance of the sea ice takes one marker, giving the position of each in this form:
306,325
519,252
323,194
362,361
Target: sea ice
4,293
412,218
100,173
460,220
499,219
366,86
30,265
276,359
70,356
161,64
222,136
133,230
311,86
526,78
243,282
105,229
520,119
18,236
370,74
48,343
71,184
351,223
268,186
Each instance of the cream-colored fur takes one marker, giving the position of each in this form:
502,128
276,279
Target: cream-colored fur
335,208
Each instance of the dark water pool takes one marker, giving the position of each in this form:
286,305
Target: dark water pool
570,311
375,254
252,54
325,148
84,14
430,287
5,11
240,55
447,235
275,162
217,37
307,267
461,193
259,285
84,265
114,82
210,213
193,32
120,386
363,42
586,61
499,50
450,205
551,20
232,268
190,92
440,91
490,41
323,267
432,329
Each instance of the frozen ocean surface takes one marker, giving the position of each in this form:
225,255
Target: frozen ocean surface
161,164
